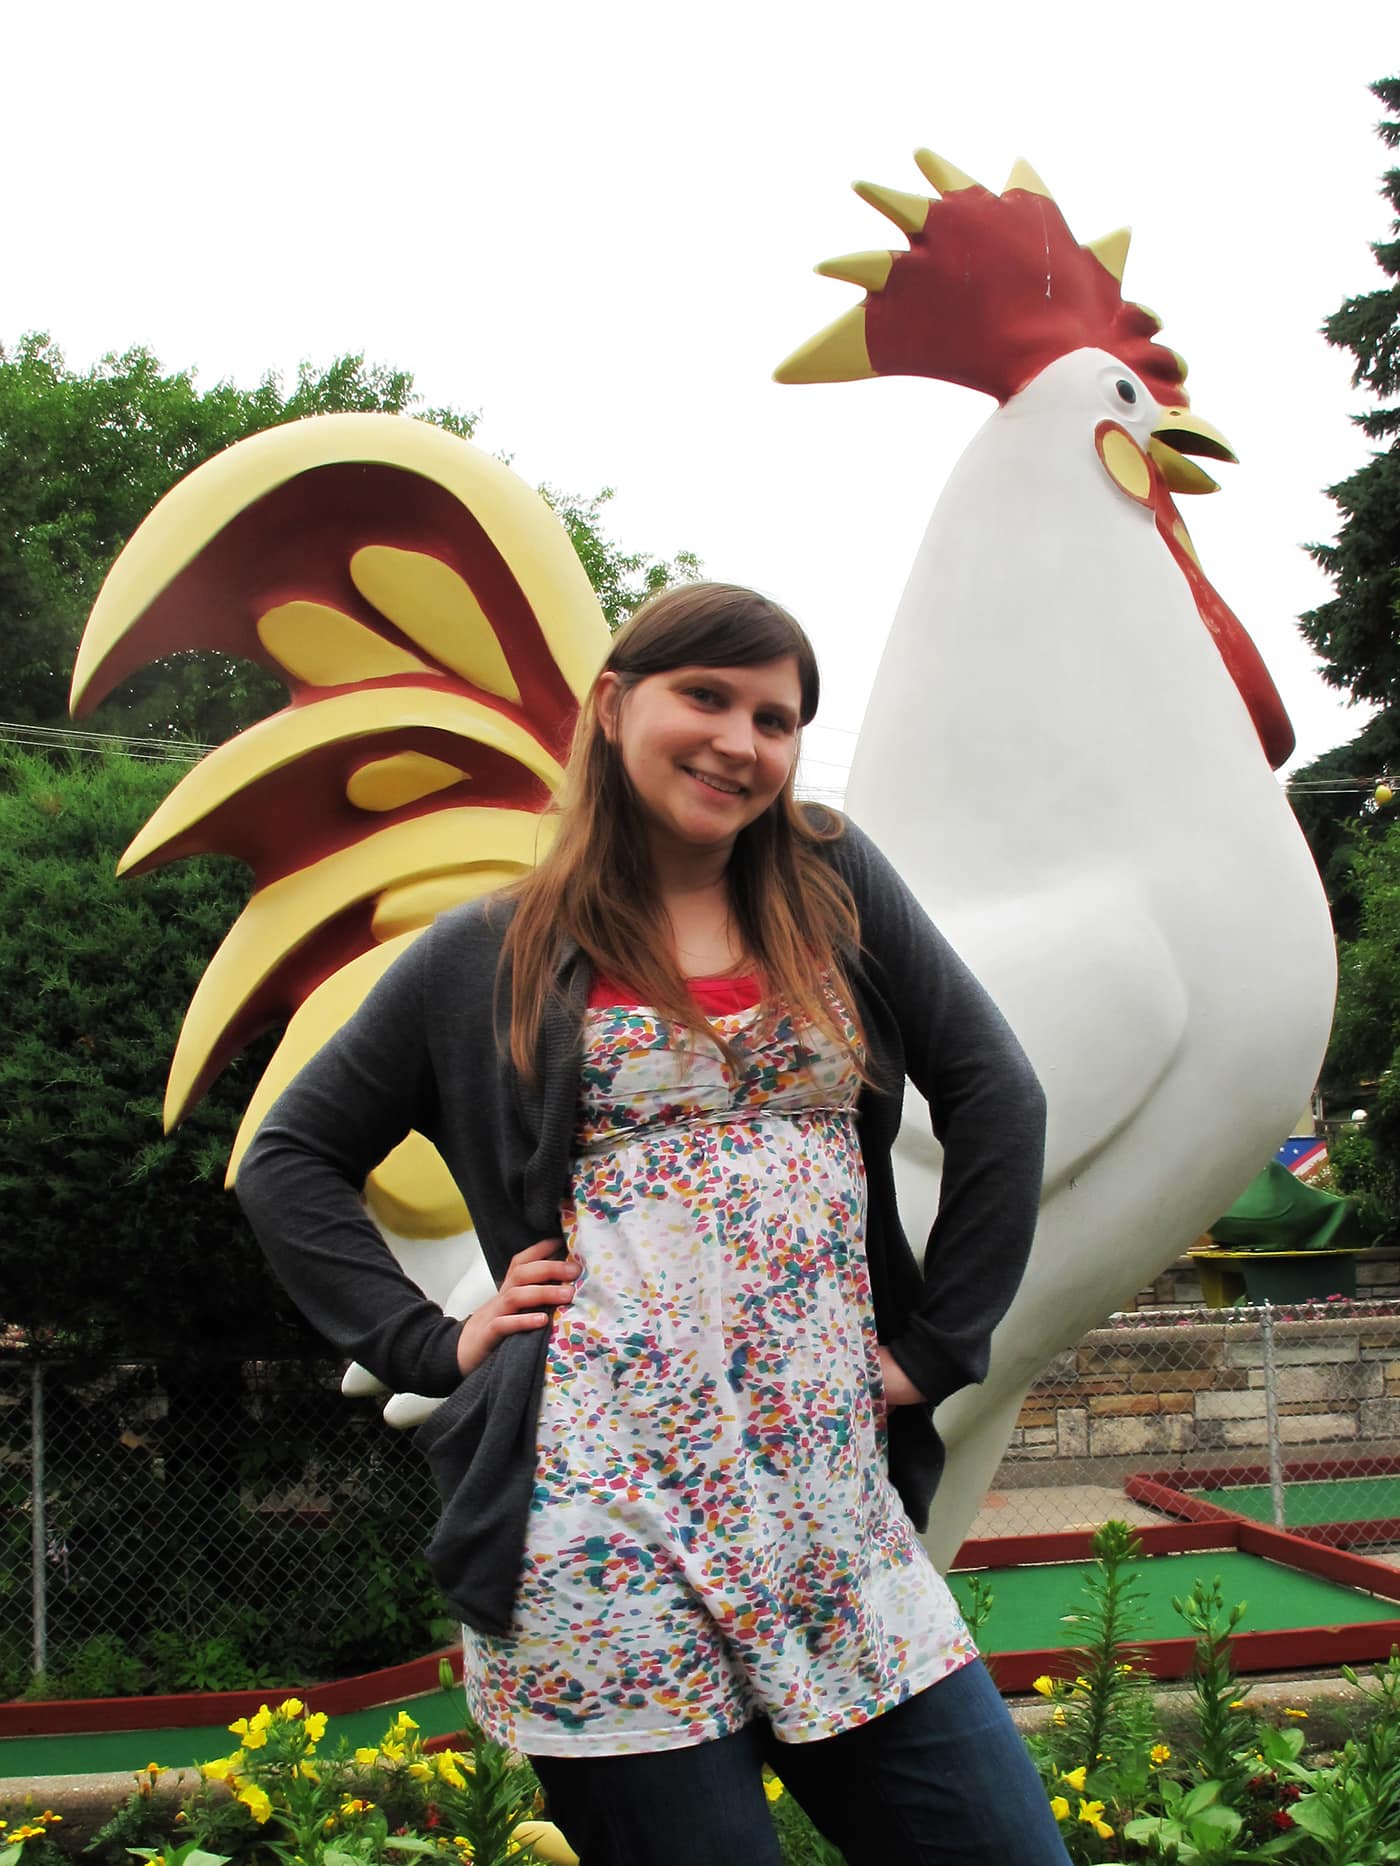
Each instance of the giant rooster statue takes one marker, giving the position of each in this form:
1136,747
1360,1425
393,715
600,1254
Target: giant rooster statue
1067,755
1062,754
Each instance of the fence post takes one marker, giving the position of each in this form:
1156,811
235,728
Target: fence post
38,1522
1271,1417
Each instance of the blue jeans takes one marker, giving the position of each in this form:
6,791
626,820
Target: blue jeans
942,1780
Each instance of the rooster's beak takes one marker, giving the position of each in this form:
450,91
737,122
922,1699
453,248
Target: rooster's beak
1179,433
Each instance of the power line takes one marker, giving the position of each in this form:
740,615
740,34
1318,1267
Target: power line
133,745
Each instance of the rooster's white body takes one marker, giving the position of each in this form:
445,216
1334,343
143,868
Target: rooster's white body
1057,761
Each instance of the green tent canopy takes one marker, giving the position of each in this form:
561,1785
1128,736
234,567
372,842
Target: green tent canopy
1277,1211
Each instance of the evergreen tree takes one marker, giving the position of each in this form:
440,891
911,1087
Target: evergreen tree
1357,633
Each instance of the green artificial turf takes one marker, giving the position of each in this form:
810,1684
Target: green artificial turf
438,1713
1331,1500
1028,1602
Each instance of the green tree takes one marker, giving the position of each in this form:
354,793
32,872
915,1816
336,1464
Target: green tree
1357,632
1363,1058
83,458
116,1237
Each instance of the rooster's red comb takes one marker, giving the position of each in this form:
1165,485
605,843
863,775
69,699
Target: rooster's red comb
992,288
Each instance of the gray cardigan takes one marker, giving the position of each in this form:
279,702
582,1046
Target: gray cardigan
428,1050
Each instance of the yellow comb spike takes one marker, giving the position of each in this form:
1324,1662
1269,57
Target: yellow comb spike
907,211
944,176
287,913
836,354
324,647
433,606
1111,250
1024,177
388,783
283,738
1148,312
1180,362
868,270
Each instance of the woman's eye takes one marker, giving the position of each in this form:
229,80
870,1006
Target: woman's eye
705,695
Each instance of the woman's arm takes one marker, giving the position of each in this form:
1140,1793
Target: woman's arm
988,1111
300,1184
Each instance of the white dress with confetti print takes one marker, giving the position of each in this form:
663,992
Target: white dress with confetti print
712,1534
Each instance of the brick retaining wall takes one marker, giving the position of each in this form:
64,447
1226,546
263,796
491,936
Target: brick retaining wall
1199,1387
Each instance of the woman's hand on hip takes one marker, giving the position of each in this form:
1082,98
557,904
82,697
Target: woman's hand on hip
899,1388
537,1282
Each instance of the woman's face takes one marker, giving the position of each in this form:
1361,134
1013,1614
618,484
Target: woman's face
707,749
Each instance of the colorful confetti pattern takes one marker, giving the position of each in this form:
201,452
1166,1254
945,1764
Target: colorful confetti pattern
713,1536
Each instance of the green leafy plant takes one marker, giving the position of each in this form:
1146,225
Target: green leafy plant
1224,1724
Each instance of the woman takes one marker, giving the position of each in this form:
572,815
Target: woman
666,1071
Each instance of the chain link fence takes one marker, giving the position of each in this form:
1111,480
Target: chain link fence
246,1525
1289,1413
240,1526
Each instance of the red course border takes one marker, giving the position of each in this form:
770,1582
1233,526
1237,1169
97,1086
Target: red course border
1296,1648
191,1710
1168,1491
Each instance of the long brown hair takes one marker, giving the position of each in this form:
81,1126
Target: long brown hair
596,887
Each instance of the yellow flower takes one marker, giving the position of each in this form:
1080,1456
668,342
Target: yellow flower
153,1769
1058,1716
1059,1807
403,1723
449,1768
773,1788
48,1817
221,1769
421,1771
1236,1703
251,1733
1125,1668
355,1804
261,1718
1289,1711
316,1726
1159,1753
1075,1777
308,1769
256,1802
1045,1685
366,1757
289,1709
1091,1812
392,1751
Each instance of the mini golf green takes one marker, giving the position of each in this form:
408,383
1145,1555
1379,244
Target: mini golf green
1330,1500
437,1713
1028,1603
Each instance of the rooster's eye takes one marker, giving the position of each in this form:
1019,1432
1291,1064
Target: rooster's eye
1126,392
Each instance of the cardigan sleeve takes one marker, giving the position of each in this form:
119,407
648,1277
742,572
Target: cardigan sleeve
300,1186
988,1112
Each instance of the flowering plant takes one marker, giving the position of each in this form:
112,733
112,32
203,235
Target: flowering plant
30,1840
1242,1790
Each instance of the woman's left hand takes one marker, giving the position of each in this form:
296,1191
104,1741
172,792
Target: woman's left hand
899,1388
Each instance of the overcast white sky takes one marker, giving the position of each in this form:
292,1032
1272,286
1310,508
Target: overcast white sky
596,225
